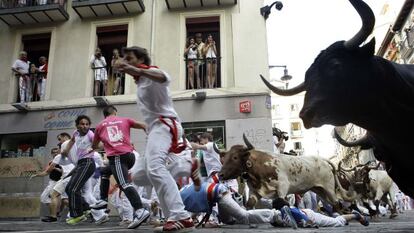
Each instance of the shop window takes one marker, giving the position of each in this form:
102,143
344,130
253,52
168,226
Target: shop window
110,38
216,128
36,46
203,69
23,145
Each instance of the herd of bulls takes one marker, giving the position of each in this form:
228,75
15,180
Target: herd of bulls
346,83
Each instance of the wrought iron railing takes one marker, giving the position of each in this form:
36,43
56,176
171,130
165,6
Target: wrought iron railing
199,69
8,4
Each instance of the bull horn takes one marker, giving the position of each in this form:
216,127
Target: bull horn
344,169
368,22
362,142
284,92
248,144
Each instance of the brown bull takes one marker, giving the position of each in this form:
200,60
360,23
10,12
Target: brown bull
272,176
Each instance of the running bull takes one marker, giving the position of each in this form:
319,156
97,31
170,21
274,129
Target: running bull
372,184
348,84
272,176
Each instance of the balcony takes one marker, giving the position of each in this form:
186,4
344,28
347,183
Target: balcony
191,4
203,73
24,12
296,133
102,8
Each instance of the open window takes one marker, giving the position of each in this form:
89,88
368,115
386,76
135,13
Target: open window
110,38
203,67
23,145
36,46
216,128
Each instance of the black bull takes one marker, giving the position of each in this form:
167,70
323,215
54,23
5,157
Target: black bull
348,84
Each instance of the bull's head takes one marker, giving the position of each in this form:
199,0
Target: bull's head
337,79
360,174
235,159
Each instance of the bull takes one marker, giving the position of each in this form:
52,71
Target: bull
347,83
372,184
272,176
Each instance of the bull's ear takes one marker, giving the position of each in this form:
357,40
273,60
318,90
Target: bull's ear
369,48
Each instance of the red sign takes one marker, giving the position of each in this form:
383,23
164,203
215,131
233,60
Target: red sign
245,106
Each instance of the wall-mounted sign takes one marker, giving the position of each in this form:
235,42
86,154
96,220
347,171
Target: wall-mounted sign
63,119
245,106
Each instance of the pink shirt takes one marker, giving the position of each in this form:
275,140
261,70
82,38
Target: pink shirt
114,132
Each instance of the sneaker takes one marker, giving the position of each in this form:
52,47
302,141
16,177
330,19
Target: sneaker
195,174
140,216
359,217
76,220
185,225
124,223
287,217
49,219
101,204
102,220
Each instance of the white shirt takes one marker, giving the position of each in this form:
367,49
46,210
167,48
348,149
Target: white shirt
192,53
211,159
154,99
72,157
65,163
98,63
21,66
210,53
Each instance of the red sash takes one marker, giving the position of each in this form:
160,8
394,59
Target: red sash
175,147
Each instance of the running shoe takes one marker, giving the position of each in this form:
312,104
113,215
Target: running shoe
362,219
185,225
76,220
101,204
287,217
102,220
140,216
49,219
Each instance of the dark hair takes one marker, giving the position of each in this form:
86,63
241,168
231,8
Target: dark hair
188,41
109,110
64,134
140,53
81,117
207,135
193,138
278,203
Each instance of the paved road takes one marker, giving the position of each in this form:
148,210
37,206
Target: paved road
403,223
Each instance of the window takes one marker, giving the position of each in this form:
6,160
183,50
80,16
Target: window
216,128
295,129
23,145
36,46
202,66
295,126
110,38
297,145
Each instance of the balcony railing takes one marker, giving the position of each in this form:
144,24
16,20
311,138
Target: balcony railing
190,4
23,12
102,8
296,133
203,73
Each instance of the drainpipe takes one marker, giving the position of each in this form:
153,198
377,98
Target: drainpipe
152,39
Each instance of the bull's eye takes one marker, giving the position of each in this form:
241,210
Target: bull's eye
235,158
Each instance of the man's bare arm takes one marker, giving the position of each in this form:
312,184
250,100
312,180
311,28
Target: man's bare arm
153,74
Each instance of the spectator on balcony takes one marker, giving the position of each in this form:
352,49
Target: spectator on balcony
190,52
32,80
98,64
41,77
199,65
210,52
41,2
21,69
119,76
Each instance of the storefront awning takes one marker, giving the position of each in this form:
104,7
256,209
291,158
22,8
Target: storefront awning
101,8
189,4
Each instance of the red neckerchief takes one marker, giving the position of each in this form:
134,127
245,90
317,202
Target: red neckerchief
23,59
143,66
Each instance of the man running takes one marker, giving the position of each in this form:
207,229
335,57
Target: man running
114,132
164,133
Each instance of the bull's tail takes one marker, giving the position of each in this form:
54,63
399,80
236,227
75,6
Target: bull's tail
346,195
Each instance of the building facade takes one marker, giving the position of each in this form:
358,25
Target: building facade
67,33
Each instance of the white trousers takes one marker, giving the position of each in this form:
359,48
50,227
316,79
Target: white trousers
41,88
45,196
323,220
122,204
25,89
158,144
87,194
230,213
